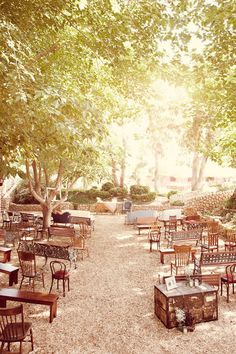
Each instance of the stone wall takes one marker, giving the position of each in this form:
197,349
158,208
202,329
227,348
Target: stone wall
208,202
36,207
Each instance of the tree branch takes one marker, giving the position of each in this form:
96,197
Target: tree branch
31,188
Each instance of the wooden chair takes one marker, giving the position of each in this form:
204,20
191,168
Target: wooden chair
28,268
59,272
171,225
84,230
13,328
154,235
80,246
230,243
228,279
182,258
211,243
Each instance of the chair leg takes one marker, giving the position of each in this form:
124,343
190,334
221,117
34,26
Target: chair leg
31,339
21,282
63,287
20,346
227,292
68,284
150,245
51,285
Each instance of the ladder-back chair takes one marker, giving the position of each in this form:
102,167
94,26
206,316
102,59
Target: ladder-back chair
13,328
182,258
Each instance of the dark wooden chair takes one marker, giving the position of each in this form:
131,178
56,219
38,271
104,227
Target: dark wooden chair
59,272
182,258
28,268
211,243
154,235
229,278
126,206
13,328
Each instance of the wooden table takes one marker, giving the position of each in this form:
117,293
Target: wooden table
168,251
201,302
12,272
31,297
6,254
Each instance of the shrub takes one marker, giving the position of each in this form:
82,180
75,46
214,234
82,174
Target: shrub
103,194
148,197
107,186
171,193
177,203
118,192
231,203
139,190
22,195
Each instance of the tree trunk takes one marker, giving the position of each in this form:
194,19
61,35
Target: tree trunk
114,177
156,173
195,165
47,213
198,169
201,173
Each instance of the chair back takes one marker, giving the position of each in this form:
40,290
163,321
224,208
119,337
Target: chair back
11,323
27,263
84,229
213,239
182,255
172,223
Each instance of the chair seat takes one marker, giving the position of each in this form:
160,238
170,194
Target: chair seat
60,274
15,328
230,279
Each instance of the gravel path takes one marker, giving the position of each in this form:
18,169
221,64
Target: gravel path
109,309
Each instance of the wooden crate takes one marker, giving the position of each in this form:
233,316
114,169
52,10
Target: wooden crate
200,302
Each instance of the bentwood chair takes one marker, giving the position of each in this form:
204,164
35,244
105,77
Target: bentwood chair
228,279
28,268
14,329
182,258
59,272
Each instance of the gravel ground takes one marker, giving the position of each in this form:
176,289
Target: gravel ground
110,308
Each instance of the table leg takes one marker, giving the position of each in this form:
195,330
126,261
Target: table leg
13,277
3,302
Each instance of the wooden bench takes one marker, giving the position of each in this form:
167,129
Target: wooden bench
169,251
213,259
61,232
30,297
144,223
6,254
12,272
82,219
190,235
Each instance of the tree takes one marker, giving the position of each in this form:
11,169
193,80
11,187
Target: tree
54,100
